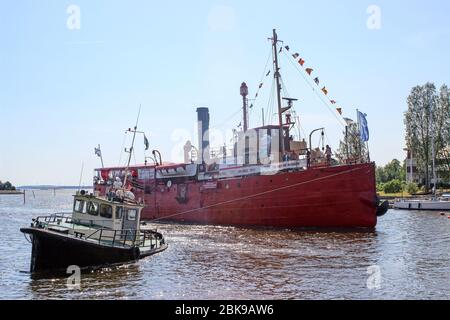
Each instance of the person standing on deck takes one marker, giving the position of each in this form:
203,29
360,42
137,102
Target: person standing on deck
328,153
308,158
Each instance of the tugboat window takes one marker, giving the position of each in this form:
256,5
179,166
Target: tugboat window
79,206
92,208
119,212
131,214
106,211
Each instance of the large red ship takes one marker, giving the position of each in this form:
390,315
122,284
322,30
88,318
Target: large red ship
269,179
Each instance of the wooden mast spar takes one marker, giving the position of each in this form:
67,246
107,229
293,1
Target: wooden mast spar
277,79
131,149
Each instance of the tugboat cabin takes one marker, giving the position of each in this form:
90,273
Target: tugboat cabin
106,213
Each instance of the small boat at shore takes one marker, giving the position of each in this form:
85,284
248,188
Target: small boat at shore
99,232
440,203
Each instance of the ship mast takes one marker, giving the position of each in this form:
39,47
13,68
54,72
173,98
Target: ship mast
131,149
277,79
244,93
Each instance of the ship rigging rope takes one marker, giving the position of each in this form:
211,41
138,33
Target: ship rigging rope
260,86
228,119
263,75
121,149
293,110
257,194
253,100
270,103
29,240
315,91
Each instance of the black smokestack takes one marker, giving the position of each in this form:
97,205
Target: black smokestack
203,134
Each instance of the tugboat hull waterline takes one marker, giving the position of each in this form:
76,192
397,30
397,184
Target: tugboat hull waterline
99,232
55,251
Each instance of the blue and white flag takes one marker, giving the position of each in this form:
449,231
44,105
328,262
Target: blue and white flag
146,142
363,127
98,152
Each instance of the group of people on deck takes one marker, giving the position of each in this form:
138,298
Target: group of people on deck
293,156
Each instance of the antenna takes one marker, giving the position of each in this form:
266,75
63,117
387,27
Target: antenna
81,175
132,147
244,93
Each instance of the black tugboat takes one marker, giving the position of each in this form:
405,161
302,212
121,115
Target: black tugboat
100,231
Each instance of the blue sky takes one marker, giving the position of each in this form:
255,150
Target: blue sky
65,91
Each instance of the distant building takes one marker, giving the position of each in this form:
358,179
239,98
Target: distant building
414,175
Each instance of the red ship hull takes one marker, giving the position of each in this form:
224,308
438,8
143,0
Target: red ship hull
327,197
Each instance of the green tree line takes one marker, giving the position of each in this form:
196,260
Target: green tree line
391,178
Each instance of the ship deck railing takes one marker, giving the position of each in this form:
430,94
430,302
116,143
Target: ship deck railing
62,222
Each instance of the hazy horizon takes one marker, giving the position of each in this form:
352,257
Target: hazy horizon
69,85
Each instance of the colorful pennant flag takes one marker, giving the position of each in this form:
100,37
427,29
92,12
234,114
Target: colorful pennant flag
301,61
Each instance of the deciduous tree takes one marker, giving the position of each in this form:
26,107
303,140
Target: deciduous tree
427,120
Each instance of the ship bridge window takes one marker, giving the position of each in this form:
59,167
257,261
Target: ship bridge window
131,214
119,212
79,207
106,211
92,208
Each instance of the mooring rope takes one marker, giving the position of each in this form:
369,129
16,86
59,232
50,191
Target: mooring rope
256,195
29,240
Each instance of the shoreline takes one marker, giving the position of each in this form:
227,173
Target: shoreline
11,192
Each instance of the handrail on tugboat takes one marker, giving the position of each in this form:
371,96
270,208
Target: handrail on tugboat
112,237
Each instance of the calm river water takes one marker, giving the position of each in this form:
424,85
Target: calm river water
407,257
